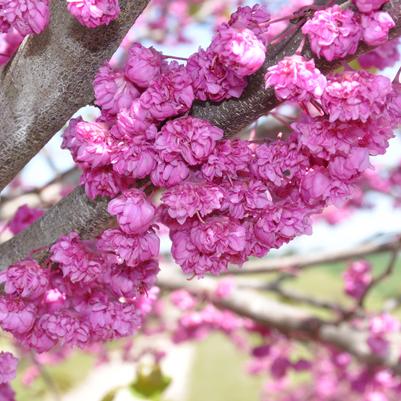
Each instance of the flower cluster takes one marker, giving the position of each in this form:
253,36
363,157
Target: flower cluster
335,33
96,290
297,79
380,327
222,200
94,13
85,295
237,50
357,278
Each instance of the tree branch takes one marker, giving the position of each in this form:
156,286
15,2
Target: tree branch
231,115
295,262
386,273
292,295
72,213
50,78
290,321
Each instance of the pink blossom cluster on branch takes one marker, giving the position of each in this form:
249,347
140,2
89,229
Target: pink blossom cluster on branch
222,200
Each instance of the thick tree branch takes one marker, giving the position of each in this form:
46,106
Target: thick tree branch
76,210
291,321
50,79
231,115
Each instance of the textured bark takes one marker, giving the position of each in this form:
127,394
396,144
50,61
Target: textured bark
289,320
231,115
50,78
71,213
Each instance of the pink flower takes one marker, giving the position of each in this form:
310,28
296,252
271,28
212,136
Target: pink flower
23,218
16,316
9,44
355,95
143,65
136,161
228,159
382,56
280,367
93,13
317,188
379,327
324,139
70,141
279,163
218,235
8,367
75,259
183,300
224,288
113,92
238,49
245,198
145,303
169,95
190,198
191,260
103,181
133,211
110,320
281,223
192,138
297,79
254,18
357,278
367,6
130,249
207,247
333,33
316,185
351,166
376,27
134,124
26,16
94,144
60,328
211,80
26,279
168,174
130,283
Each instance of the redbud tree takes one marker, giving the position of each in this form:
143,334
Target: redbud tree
225,155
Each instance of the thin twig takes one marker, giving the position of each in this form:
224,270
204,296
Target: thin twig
292,295
386,273
294,263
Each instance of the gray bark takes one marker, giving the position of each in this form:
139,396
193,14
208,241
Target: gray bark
50,78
